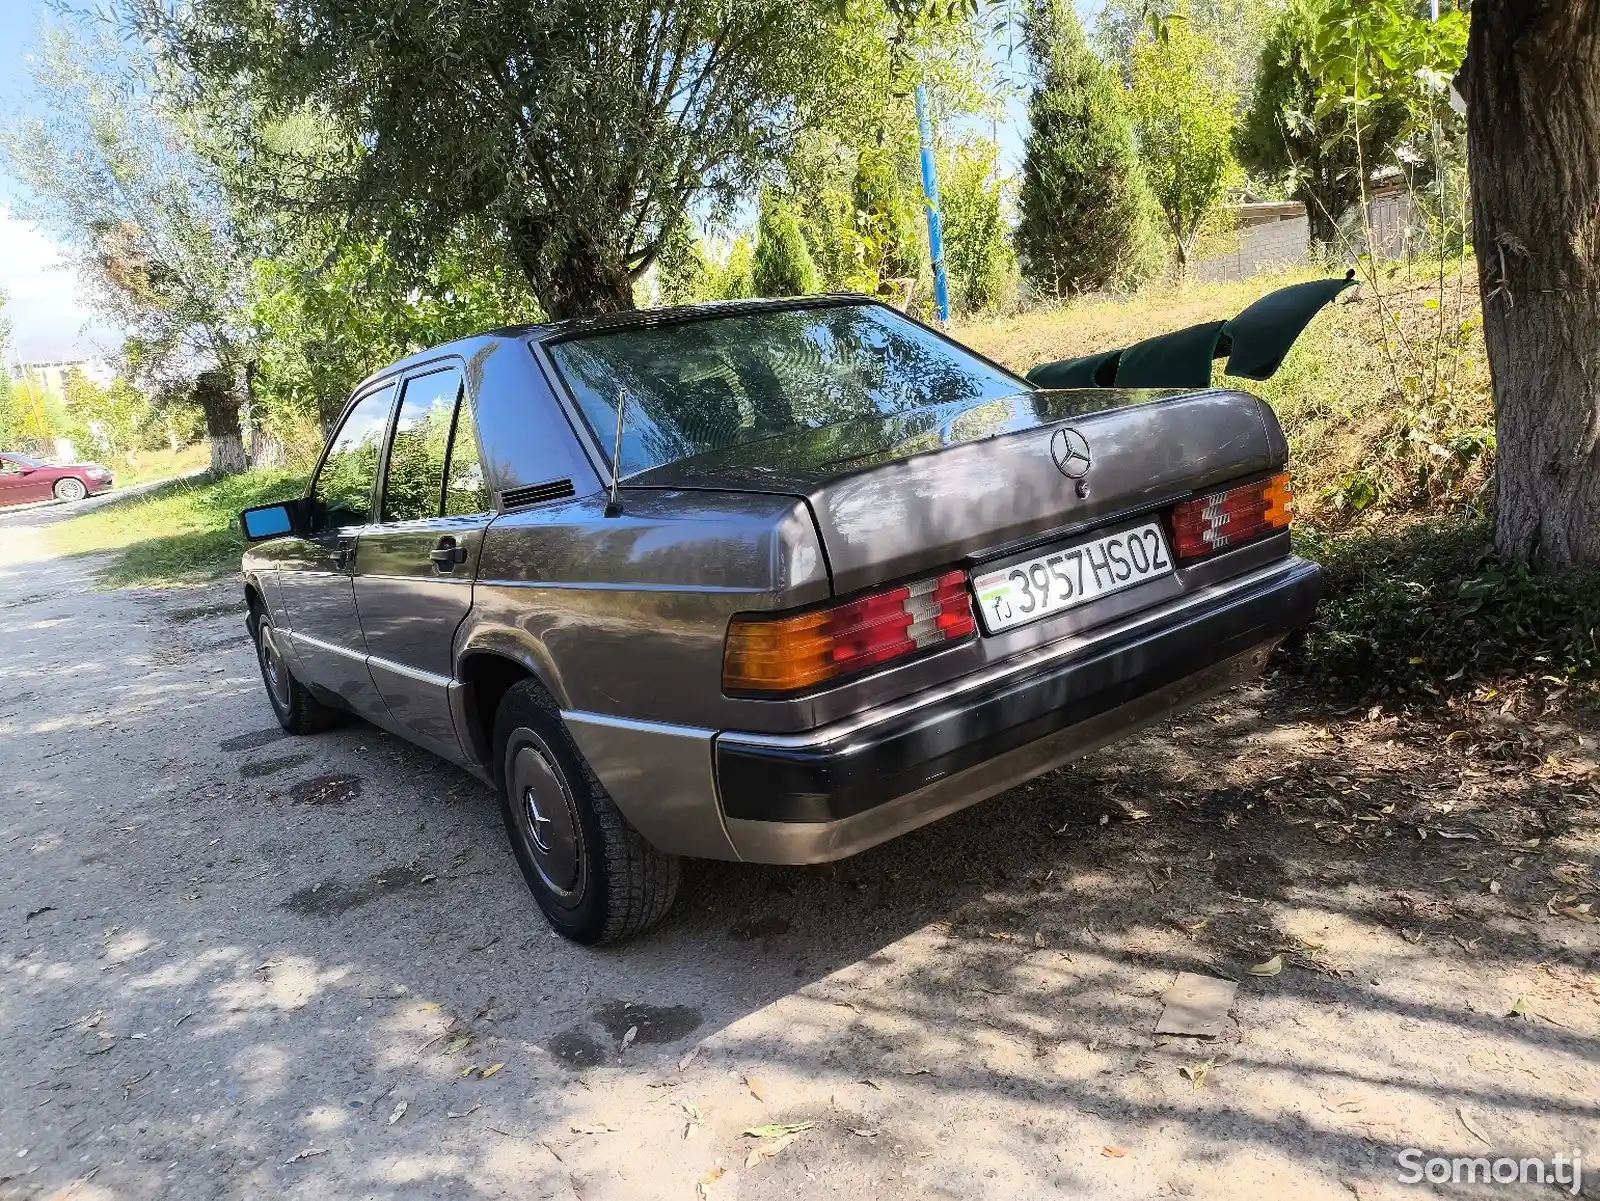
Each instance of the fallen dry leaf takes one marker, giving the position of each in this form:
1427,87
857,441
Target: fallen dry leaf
627,1039
399,1112
688,1058
1111,1151
1471,1124
767,1148
596,1129
450,1113
757,1087
491,1070
306,1154
777,1129
1271,967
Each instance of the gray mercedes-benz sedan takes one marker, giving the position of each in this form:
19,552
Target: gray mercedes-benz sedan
770,581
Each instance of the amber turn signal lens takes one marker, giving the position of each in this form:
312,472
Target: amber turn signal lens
782,654
1220,520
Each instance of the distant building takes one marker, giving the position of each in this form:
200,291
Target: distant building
51,375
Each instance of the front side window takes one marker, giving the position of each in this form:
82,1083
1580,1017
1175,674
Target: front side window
342,492
709,384
415,476
465,491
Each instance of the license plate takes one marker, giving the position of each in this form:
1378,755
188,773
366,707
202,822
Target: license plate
1063,579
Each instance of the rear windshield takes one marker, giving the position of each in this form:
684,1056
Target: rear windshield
713,383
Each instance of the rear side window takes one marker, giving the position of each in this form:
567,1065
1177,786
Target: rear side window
415,476
465,492
342,491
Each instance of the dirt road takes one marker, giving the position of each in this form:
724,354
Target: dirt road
234,964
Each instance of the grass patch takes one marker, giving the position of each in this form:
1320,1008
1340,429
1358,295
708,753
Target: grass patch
181,533
1365,445
1429,609
161,464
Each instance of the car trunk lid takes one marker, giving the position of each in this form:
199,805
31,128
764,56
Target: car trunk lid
927,487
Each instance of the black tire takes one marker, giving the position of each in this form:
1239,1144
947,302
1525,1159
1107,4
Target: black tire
297,710
595,877
70,489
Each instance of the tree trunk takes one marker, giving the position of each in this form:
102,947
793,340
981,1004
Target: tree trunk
1533,117
570,278
220,403
1323,227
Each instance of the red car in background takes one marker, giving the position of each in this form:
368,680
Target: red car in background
24,479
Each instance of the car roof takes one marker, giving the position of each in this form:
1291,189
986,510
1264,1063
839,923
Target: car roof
552,331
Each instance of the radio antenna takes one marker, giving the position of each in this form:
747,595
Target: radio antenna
614,504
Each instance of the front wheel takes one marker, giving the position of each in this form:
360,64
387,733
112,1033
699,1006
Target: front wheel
594,876
70,489
297,710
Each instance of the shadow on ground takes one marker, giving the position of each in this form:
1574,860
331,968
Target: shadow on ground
235,962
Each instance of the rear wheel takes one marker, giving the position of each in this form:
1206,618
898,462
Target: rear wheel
594,876
297,710
70,489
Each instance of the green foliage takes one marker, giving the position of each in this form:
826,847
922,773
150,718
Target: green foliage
1342,90
113,419
1184,110
326,323
783,265
181,533
1082,195
1429,609
732,276
14,416
577,133
109,170
886,216
682,272
1238,27
978,255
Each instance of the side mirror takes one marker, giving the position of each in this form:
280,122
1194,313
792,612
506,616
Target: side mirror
268,521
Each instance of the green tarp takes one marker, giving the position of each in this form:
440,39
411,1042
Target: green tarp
1254,344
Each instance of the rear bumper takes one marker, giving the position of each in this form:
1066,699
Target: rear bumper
837,790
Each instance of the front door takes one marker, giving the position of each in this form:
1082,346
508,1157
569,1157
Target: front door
21,482
413,582
316,573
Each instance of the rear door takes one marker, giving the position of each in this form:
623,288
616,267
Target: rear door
413,581
315,573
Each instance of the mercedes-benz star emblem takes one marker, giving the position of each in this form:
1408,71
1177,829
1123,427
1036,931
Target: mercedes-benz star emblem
1070,450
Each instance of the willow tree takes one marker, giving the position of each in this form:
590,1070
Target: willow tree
578,130
110,172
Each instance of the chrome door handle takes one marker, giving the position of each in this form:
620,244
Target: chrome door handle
446,554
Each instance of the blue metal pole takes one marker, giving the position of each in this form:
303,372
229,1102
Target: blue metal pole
930,195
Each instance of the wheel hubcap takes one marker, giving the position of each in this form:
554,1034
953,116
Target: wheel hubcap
272,668
548,825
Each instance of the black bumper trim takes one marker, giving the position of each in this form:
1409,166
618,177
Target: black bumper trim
762,782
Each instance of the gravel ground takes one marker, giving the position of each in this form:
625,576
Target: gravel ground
235,964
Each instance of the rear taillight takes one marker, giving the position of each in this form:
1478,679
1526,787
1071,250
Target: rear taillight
781,654
1220,520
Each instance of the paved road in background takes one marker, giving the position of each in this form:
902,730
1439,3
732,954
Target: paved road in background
235,964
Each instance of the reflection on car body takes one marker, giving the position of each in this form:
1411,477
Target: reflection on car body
775,647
